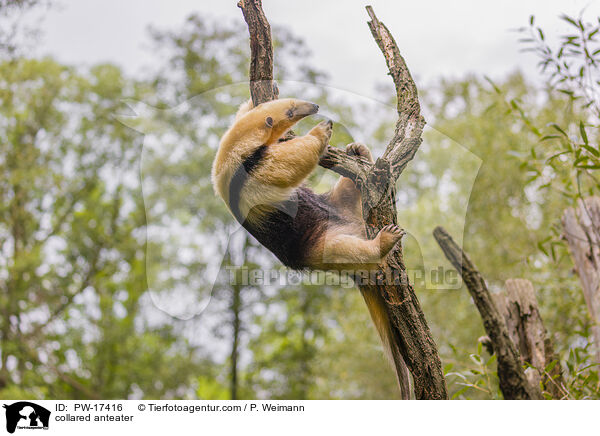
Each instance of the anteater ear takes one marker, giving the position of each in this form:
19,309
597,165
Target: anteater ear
269,122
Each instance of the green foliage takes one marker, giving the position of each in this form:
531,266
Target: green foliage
567,152
91,269
210,389
478,380
72,263
567,155
582,381
551,163
275,336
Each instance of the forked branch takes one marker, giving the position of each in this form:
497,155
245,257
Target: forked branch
413,346
409,127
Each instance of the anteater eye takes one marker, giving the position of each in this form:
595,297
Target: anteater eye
290,113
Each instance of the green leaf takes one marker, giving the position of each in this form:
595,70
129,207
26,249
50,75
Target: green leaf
457,374
548,137
583,133
542,249
569,20
559,129
591,150
551,365
460,392
493,84
554,156
476,359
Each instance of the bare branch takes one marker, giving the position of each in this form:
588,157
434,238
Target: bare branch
261,51
413,339
263,88
412,345
353,167
409,127
513,382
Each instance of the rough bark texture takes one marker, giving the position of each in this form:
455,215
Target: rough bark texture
236,308
518,305
513,382
582,232
409,327
413,338
261,51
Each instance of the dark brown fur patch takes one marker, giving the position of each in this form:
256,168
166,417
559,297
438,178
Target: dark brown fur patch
294,226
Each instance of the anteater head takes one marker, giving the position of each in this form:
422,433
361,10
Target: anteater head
280,115
259,127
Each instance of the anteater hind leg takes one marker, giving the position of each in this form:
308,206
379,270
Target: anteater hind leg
345,195
337,250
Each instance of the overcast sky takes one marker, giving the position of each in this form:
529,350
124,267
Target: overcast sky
437,38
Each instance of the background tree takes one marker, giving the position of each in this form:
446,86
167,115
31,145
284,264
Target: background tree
263,325
98,290
72,256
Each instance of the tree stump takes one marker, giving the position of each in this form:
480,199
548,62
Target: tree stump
518,305
582,231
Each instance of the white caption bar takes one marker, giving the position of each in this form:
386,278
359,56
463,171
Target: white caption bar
297,417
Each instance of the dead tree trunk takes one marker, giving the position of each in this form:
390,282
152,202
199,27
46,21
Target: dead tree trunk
518,305
236,309
413,339
582,232
513,382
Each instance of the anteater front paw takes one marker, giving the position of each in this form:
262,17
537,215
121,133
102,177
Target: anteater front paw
323,131
357,149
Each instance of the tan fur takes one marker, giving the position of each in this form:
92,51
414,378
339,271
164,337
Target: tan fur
287,163
345,195
345,248
380,318
284,167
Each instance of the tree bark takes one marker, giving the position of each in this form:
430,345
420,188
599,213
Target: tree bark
261,51
518,305
412,337
236,308
513,382
582,232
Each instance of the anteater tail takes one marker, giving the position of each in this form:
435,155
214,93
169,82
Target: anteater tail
381,320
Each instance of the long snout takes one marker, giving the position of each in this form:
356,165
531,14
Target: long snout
305,108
